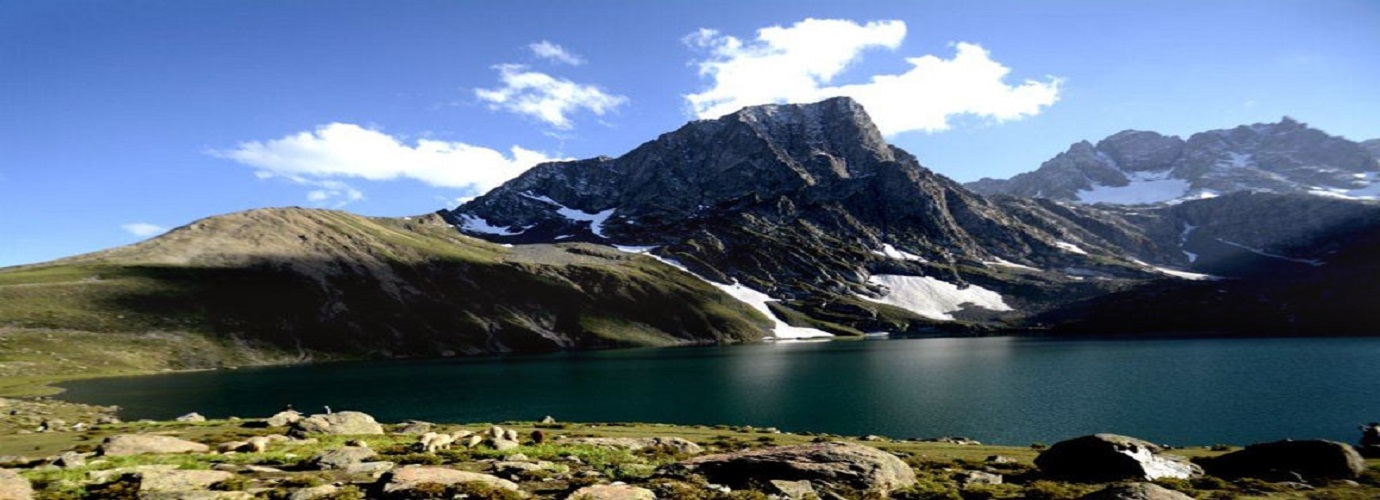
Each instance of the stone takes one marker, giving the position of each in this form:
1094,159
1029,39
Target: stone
372,468
510,435
341,458
612,492
1309,459
14,486
257,444
231,446
969,477
873,437
108,475
794,490
284,418
260,469
502,444
473,440
70,459
1110,457
516,457
857,466
156,481
415,427
192,417
999,459
404,479
315,492
343,422
679,445
508,467
1137,491
138,444
548,420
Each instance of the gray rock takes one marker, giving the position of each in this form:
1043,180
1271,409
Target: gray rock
509,468
794,490
191,418
374,468
969,477
70,459
343,422
405,479
1137,491
315,492
999,459
341,458
503,444
548,420
231,446
677,444
14,486
415,427
284,418
138,444
1110,457
177,481
856,466
1311,459
612,492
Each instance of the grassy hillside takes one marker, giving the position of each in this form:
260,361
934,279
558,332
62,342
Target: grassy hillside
308,284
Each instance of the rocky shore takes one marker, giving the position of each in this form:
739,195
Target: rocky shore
349,455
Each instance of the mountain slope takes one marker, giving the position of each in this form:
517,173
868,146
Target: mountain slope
1138,167
327,283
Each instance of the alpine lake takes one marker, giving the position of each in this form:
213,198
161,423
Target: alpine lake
1000,390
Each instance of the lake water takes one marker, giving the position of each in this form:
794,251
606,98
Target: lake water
997,390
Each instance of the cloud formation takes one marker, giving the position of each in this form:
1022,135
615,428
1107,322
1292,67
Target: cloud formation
546,98
144,229
554,53
320,158
799,64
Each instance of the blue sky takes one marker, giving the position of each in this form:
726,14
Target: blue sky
122,119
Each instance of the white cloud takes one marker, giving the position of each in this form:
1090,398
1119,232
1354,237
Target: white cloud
321,157
799,64
546,98
144,229
555,53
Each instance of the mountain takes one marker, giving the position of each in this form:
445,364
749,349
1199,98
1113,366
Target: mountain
1139,167
778,221
324,284
807,206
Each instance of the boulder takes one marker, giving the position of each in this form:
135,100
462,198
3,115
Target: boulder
1137,491
415,427
402,480
503,444
372,468
342,458
191,418
344,422
1310,459
257,444
969,477
70,459
679,445
612,492
14,486
513,467
284,418
230,446
177,481
315,492
1110,457
138,444
857,466
549,420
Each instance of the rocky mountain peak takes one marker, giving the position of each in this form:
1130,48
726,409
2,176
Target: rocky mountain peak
1141,167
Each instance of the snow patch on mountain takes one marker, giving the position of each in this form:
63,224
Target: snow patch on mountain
475,224
933,298
1143,188
1006,263
753,298
1070,247
1177,273
891,252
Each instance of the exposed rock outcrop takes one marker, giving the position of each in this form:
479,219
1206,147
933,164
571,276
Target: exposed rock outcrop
1281,460
1110,457
860,467
138,444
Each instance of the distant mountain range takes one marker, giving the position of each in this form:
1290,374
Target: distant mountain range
1139,167
776,221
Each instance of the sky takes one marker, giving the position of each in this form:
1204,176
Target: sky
120,120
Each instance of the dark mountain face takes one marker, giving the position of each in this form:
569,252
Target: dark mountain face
808,204
1135,167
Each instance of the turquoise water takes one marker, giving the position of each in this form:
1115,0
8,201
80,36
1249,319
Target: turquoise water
996,390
